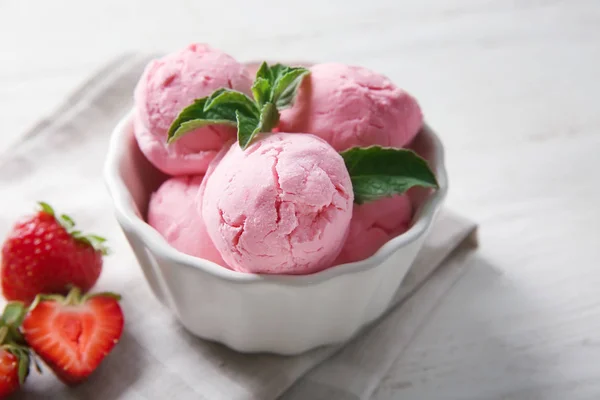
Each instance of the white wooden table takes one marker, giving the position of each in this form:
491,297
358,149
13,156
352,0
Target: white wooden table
513,88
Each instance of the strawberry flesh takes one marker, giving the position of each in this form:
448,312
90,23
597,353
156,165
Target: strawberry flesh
73,339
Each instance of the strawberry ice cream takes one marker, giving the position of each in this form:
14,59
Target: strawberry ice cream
173,212
282,206
374,224
352,106
170,84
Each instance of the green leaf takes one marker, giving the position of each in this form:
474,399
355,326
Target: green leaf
248,127
261,89
378,172
264,72
225,103
286,86
277,70
283,84
269,118
12,317
112,295
45,297
274,88
99,243
95,241
23,366
13,314
84,240
219,108
46,208
96,238
189,126
67,221
194,116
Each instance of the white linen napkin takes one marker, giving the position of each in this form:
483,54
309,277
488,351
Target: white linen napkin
60,161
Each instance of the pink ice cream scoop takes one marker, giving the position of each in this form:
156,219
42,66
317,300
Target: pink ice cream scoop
352,106
173,212
170,84
373,224
282,206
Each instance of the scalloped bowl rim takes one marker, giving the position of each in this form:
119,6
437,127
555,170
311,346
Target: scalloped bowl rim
127,216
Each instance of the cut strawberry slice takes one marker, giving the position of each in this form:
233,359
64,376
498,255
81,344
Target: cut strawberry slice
73,334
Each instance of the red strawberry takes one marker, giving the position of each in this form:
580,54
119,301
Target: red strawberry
45,254
14,355
9,372
73,334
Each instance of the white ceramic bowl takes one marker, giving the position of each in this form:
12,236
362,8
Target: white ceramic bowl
263,313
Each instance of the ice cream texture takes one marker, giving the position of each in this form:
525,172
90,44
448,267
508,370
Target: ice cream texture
374,224
352,106
170,84
173,211
282,206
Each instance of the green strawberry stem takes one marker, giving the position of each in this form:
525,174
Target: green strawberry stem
73,298
13,314
3,333
10,321
97,242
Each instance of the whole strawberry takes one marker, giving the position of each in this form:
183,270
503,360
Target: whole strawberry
44,253
14,367
73,334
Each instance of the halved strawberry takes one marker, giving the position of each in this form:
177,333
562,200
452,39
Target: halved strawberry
73,334
44,253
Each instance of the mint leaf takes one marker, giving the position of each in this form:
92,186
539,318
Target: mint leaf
248,127
220,108
264,72
286,86
261,89
189,126
194,116
225,102
269,118
274,89
378,172
277,84
276,71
